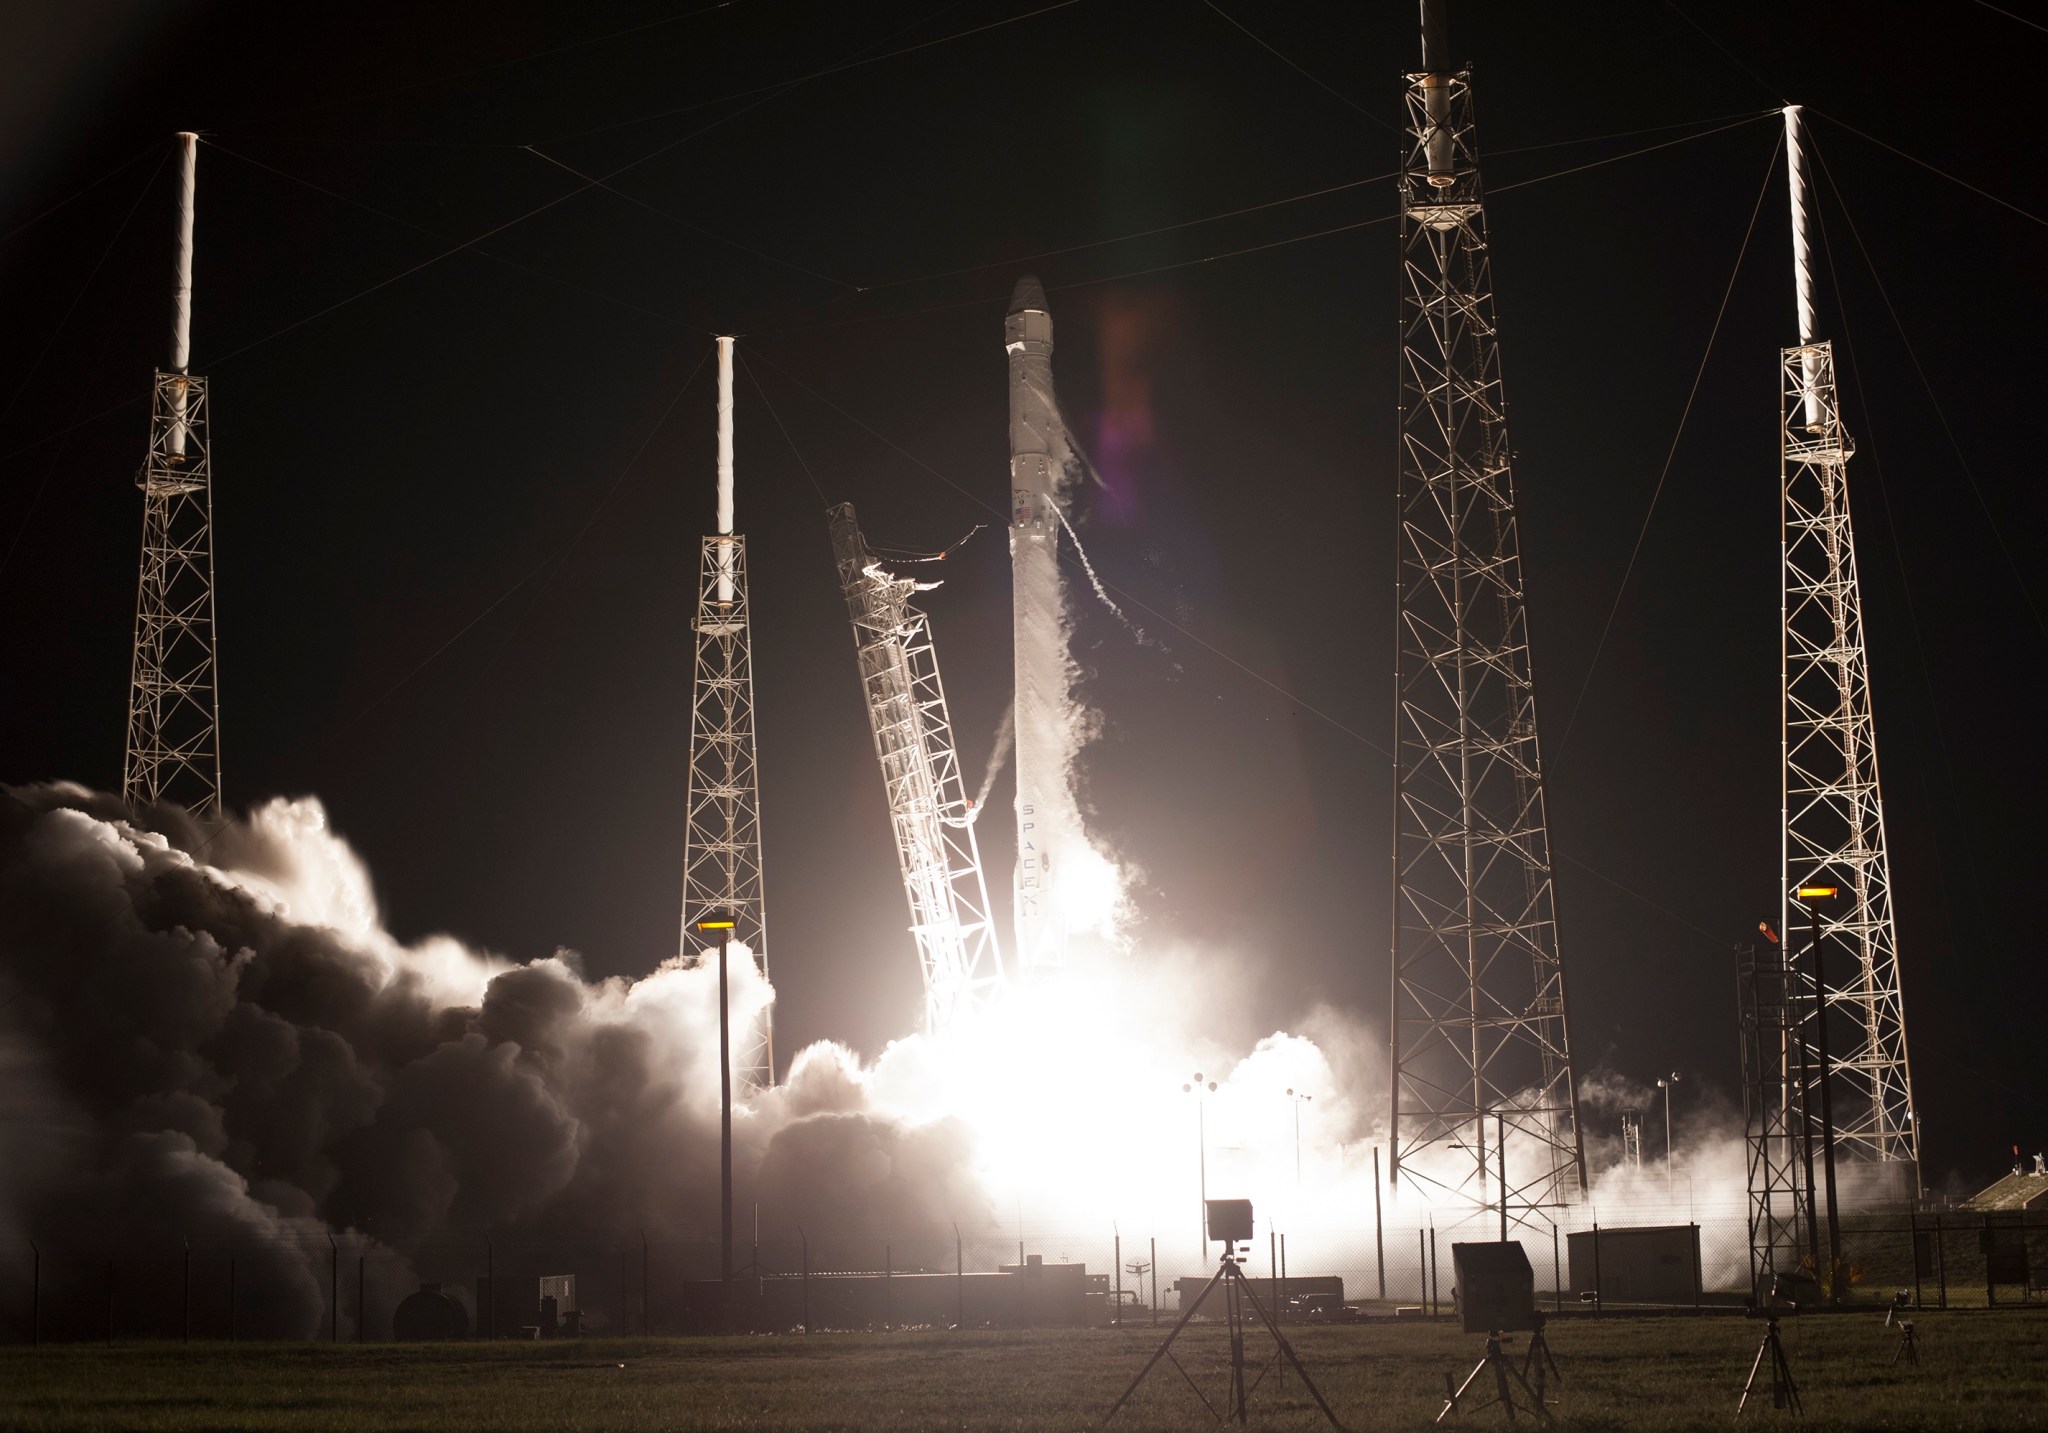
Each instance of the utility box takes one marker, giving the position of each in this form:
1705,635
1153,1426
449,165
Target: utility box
1648,1264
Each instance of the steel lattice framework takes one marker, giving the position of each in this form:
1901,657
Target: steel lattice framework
1478,1024
722,842
173,751
1776,1079
929,811
1834,815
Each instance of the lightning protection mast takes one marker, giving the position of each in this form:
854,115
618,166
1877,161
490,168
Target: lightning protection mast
929,811
1833,814
173,749
722,841
1478,1030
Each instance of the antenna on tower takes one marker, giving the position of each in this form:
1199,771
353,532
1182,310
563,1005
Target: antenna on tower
173,747
1833,831
1479,1044
722,836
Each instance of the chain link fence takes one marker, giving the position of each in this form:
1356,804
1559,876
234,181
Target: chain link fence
350,1289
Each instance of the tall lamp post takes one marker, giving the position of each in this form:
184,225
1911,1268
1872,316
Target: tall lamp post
1297,1101
1665,1086
1201,1092
1813,896
721,922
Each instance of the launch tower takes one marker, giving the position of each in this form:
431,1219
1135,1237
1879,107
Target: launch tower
722,841
1833,814
1478,1029
929,812
173,749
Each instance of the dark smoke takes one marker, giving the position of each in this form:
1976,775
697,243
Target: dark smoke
212,1038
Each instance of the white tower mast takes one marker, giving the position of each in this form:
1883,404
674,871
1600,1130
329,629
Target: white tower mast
173,747
722,840
929,812
1833,815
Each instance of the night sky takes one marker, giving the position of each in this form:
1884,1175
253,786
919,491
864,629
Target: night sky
458,494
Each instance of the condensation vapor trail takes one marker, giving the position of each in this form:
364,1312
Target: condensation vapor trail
1006,731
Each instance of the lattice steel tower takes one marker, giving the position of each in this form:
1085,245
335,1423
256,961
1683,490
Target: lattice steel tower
929,812
1776,1077
1478,1026
1833,813
173,748
722,840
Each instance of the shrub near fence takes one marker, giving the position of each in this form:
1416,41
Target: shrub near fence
348,1290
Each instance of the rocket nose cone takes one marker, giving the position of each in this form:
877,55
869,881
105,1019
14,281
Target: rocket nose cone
1030,294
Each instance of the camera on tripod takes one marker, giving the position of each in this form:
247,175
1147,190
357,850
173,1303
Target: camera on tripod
1230,1223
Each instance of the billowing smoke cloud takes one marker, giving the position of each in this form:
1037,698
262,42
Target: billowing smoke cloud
211,1037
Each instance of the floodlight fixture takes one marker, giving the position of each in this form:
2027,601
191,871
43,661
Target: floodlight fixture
1818,893
716,920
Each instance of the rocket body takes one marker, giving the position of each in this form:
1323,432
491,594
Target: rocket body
1043,669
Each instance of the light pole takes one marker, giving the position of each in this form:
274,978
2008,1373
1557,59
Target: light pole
1298,1101
722,923
1201,1092
1665,1086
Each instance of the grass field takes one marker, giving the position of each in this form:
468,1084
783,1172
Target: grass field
1976,1370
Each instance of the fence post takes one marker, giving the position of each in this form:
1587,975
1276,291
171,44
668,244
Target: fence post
806,1239
1421,1270
1983,1241
1599,1291
646,1324
1556,1272
1698,1276
1940,1262
1379,1236
1155,1281
1436,1307
1117,1255
487,1316
1913,1224
231,1298
333,1291
362,1308
185,1298
110,1303
959,1281
35,1296
888,1286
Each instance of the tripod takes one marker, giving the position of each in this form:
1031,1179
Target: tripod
1503,1369
1907,1349
1784,1392
1237,1294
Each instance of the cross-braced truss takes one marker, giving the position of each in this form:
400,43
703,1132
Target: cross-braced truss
929,812
1775,1080
722,842
1479,1025
173,749
1834,817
